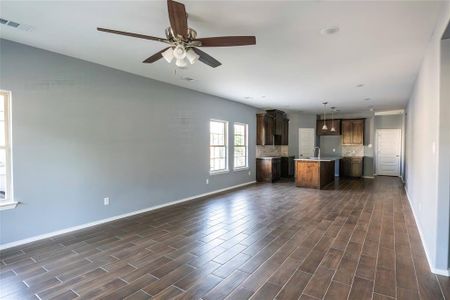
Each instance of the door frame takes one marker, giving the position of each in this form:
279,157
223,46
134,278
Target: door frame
299,140
400,152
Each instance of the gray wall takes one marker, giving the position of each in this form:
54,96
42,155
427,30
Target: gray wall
82,132
444,152
389,121
427,148
298,120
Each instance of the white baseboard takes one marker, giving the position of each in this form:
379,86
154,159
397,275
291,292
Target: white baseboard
443,272
86,225
369,177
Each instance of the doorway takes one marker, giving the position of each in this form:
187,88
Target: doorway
388,152
306,142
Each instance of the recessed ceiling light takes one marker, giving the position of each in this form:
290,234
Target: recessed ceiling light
360,85
367,99
329,30
187,78
263,96
248,97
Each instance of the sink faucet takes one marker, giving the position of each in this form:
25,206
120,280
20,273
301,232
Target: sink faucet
315,151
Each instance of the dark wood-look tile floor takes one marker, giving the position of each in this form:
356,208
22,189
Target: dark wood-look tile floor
356,239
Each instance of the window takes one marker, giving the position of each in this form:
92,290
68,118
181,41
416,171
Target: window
218,137
6,192
240,146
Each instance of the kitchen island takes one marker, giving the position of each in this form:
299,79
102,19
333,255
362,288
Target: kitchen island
314,172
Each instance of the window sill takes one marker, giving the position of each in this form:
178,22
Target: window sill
4,205
241,169
219,172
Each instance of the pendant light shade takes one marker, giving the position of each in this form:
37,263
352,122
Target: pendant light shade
324,127
332,119
192,56
168,55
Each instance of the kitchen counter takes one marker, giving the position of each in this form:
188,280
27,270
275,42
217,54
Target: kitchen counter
322,158
268,157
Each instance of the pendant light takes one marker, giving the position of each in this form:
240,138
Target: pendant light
332,119
324,127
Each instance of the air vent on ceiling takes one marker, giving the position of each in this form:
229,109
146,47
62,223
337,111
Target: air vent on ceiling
13,24
17,25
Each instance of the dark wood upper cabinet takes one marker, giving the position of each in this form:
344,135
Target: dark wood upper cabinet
353,132
330,123
285,135
272,128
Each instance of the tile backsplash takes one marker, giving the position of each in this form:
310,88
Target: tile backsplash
271,151
352,150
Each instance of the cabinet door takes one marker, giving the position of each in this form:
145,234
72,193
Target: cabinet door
260,130
269,124
358,132
356,167
276,169
285,135
347,132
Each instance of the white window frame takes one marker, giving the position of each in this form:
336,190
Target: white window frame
245,145
9,201
226,170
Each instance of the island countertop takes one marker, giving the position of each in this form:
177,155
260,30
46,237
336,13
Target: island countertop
322,158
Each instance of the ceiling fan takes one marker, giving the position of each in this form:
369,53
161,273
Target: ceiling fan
183,40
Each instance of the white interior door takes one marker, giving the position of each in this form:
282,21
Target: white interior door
306,142
389,147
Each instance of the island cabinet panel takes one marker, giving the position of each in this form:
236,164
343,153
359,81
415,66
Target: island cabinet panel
352,132
268,170
313,174
308,174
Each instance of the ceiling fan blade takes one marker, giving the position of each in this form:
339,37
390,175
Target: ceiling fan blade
227,41
207,59
136,35
178,18
155,56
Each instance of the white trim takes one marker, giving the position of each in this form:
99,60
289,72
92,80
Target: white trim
390,112
443,272
369,177
86,225
4,205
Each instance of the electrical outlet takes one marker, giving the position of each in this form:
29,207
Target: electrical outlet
249,173
106,201
334,150
207,181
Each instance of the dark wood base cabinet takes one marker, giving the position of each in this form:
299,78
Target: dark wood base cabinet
351,166
287,166
268,169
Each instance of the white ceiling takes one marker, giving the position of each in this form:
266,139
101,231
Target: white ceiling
380,44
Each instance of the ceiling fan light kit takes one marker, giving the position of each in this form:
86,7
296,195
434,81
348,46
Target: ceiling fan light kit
183,40
168,55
